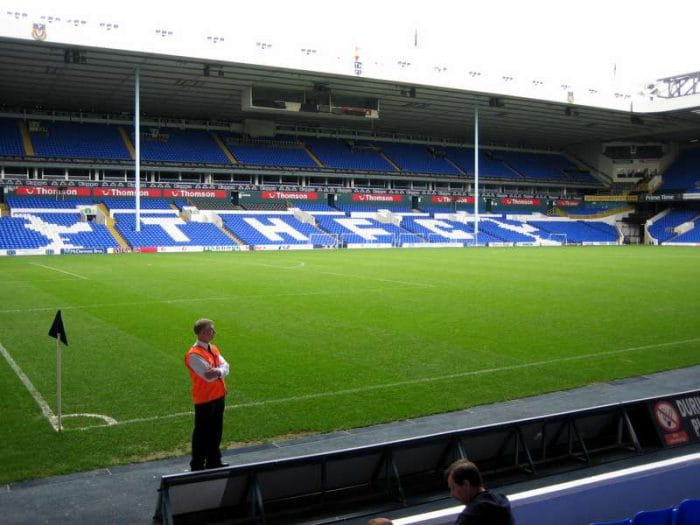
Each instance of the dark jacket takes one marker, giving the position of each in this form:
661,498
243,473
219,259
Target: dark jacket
487,508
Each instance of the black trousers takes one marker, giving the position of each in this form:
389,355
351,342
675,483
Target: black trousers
206,436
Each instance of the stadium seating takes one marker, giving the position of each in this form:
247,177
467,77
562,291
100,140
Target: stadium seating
26,203
488,166
691,236
79,141
687,512
374,208
186,146
269,229
149,203
365,230
10,139
653,517
53,230
311,206
684,174
416,158
578,232
595,208
662,229
281,151
339,154
502,232
169,230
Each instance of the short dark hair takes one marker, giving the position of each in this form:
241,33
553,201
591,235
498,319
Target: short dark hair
201,325
464,470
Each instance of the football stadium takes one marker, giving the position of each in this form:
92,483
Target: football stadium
409,262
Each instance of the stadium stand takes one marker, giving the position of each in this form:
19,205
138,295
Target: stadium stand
344,155
579,232
186,146
311,206
662,230
78,141
10,138
282,151
49,203
53,231
417,158
595,208
690,237
158,230
374,208
684,174
129,204
488,167
269,229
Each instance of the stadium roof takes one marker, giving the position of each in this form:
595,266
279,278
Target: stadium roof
41,76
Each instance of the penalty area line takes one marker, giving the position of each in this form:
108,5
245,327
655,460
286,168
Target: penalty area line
422,380
59,270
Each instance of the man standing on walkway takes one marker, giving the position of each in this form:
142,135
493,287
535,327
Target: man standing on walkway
483,507
207,368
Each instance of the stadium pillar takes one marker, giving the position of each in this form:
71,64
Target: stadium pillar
476,173
137,148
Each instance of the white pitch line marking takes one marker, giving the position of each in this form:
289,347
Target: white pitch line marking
421,380
59,270
187,300
43,405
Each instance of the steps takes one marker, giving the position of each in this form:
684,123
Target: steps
127,142
230,234
109,222
26,139
314,157
224,149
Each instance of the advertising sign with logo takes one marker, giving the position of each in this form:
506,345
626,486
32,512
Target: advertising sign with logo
376,197
50,191
196,194
677,419
289,195
513,201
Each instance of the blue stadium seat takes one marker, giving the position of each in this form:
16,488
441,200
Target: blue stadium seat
684,173
619,522
687,512
282,151
653,517
342,155
177,145
10,139
79,141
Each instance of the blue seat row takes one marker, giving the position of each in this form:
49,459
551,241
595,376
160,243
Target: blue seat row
686,513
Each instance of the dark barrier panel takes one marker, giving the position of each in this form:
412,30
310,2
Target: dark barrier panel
406,472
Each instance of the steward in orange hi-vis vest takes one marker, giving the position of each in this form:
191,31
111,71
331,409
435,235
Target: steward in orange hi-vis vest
204,391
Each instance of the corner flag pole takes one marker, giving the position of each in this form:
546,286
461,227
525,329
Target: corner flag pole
58,380
58,332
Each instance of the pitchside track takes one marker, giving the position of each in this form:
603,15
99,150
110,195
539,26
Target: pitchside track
321,340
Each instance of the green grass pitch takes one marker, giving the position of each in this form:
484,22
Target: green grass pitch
322,340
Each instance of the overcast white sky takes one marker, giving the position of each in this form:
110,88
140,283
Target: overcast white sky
564,40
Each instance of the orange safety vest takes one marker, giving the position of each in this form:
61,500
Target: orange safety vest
203,391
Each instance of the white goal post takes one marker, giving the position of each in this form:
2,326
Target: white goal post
559,238
325,240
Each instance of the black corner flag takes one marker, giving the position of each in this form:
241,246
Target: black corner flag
57,329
